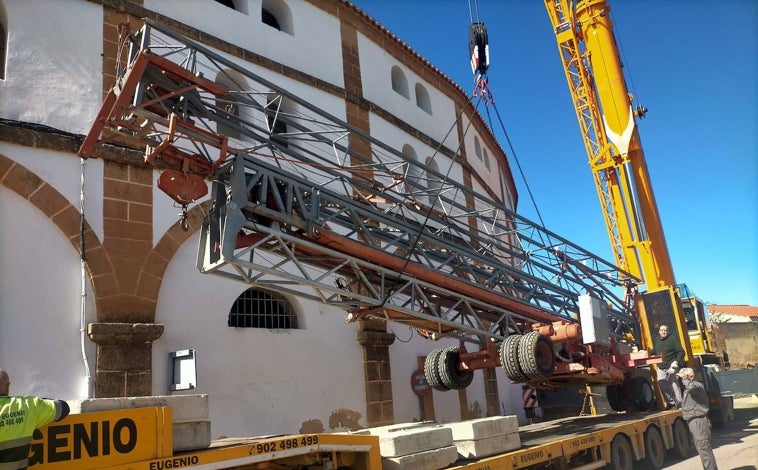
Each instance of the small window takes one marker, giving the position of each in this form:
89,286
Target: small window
276,14
257,308
275,119
487,159
227,3
477,148
228,109
423,100
435,182
412,171
399,82
268,18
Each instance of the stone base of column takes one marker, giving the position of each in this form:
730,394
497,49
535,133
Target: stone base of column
124,358
376,364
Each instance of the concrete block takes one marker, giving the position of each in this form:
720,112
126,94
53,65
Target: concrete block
487,446
183,407
192,435
411,441
395,427
484,427
428,460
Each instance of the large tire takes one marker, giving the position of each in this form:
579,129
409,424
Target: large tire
452,378
640,391
535,356
655,451
682,447
622,456
432,372
617,399
509,359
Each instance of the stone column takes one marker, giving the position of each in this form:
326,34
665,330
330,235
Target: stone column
376,366
124,358
491,394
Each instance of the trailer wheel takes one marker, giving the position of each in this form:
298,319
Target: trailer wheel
432,372
509,359
452,378
640,391
617,398
655,452
535,355
681,434
622,457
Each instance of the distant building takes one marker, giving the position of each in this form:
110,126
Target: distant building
732,313
739,326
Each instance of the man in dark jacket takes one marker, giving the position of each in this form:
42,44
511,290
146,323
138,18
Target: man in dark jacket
695,412
672,353
19,417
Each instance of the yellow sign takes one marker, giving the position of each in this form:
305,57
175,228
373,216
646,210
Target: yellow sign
96,440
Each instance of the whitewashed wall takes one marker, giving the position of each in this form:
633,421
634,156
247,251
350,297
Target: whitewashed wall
54,67
40,304
376,67
314,48
259,381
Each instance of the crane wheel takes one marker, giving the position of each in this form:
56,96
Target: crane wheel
452,377
432,372
617,398
509,359
535,355
640,391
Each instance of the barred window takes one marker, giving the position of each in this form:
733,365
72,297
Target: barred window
256,308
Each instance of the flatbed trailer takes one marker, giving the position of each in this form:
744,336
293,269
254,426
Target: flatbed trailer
586,442
142,439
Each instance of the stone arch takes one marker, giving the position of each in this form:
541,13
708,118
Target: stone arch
66,217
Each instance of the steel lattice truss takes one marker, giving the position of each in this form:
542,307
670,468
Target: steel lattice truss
305,204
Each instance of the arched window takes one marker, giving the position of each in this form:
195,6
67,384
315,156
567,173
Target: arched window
275,119
435,182
277,14
477,148
423,100
227,3
228,109
413,173
399,82
487,159
257,308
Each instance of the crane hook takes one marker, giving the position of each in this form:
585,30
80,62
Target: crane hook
184,219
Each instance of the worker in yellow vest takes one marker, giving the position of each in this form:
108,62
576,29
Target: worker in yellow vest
19,417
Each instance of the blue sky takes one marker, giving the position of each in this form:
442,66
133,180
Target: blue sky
694,65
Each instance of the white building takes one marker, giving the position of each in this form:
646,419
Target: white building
143,295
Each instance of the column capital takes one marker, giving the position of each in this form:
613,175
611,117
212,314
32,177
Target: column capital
114,333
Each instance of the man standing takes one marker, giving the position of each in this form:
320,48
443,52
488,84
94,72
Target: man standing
671,350
19,417
695,412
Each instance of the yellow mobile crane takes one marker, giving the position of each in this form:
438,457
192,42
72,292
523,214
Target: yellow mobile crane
603,104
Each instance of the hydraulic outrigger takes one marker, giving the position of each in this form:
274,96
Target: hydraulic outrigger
305,204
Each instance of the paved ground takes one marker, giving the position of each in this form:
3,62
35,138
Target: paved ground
735,445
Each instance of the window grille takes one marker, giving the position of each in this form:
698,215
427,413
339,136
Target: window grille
256,308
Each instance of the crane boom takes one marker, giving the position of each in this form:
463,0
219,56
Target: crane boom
590,58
